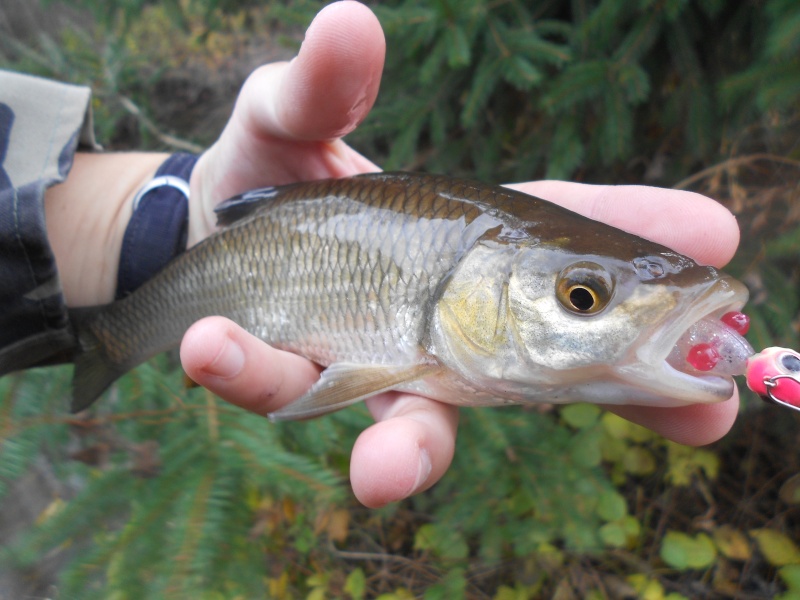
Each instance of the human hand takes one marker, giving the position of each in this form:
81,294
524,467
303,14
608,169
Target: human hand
284,129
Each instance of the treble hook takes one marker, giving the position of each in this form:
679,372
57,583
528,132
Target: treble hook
770,383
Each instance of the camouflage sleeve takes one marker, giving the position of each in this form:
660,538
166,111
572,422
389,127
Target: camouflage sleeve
42,123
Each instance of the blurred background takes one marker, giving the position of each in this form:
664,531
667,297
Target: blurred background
160,492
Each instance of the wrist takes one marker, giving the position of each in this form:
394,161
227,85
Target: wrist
202,221
157,230
86,219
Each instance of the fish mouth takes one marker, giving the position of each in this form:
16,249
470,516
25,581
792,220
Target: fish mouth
661,364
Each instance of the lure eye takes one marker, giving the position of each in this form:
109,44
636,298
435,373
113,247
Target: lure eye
791,363
584,288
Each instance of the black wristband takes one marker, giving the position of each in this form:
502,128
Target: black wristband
158,227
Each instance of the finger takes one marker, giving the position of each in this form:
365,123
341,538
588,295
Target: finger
689,223
694,425
288,116
241,369
329,88
405,452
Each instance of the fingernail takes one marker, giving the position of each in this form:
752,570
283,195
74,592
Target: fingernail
423,469
229,362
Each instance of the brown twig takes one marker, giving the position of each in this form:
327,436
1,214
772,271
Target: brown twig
149,125
732,163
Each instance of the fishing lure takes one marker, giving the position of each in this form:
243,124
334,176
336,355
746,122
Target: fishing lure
774,374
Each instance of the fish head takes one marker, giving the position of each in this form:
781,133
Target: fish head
541,322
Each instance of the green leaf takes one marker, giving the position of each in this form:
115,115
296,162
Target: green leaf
791,577
442,541
400,593
612,506
776,547
580,416
452,586
613,535
681,551
585,449
639,461
356,584
685,462
317,593
622,533
646,587
518,592
622,429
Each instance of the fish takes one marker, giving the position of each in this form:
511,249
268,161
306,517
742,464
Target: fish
467,293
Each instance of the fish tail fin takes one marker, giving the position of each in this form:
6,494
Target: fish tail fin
95,371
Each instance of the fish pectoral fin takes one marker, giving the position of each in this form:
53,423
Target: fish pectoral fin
343,384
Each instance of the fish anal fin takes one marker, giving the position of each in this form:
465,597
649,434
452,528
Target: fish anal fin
343,384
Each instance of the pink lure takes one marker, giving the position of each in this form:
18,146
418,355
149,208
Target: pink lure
774,374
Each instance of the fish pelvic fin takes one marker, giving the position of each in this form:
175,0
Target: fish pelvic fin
94,369
343,384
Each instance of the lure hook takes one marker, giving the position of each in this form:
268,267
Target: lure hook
770,383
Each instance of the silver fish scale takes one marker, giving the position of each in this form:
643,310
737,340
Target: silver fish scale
330,278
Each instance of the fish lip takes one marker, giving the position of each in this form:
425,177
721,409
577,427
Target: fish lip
724,295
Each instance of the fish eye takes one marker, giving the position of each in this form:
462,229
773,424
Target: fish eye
584,288
791,363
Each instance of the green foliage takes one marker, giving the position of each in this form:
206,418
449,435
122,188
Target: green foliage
683,551
509,91
196,499
183,530
545,495
791,576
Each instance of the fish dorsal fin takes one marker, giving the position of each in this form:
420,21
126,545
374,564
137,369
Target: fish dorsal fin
247,203
343,384
243,205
